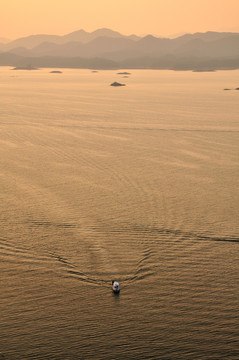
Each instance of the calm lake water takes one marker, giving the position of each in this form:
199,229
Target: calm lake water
137,184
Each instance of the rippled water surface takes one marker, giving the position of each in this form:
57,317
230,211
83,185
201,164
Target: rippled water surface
137,184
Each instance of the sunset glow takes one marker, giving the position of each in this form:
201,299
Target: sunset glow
158,17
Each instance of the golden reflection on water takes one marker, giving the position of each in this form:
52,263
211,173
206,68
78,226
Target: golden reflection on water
139,184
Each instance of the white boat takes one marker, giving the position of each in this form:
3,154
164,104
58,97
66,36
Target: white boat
115,287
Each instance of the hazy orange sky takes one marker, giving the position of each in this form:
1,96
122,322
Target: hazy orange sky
159,17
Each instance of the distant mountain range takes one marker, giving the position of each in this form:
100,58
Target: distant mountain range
107,49
4,40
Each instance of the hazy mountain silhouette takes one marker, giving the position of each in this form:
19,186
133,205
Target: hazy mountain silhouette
4,40
96,47
82,36
8,59
221,46
29,42
207,36
209,50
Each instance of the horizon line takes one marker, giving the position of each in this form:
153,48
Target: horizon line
169,36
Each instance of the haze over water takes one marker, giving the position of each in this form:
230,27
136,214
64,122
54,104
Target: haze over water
137,184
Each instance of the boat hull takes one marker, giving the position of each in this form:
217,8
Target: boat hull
115,287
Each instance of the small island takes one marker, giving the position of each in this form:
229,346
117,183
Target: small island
25,67
231,89
117,84
204,70
123,73
55,72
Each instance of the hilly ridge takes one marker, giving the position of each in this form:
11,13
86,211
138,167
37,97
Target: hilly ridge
190,51
82,36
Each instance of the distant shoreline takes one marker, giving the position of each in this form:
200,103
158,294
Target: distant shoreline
25,68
